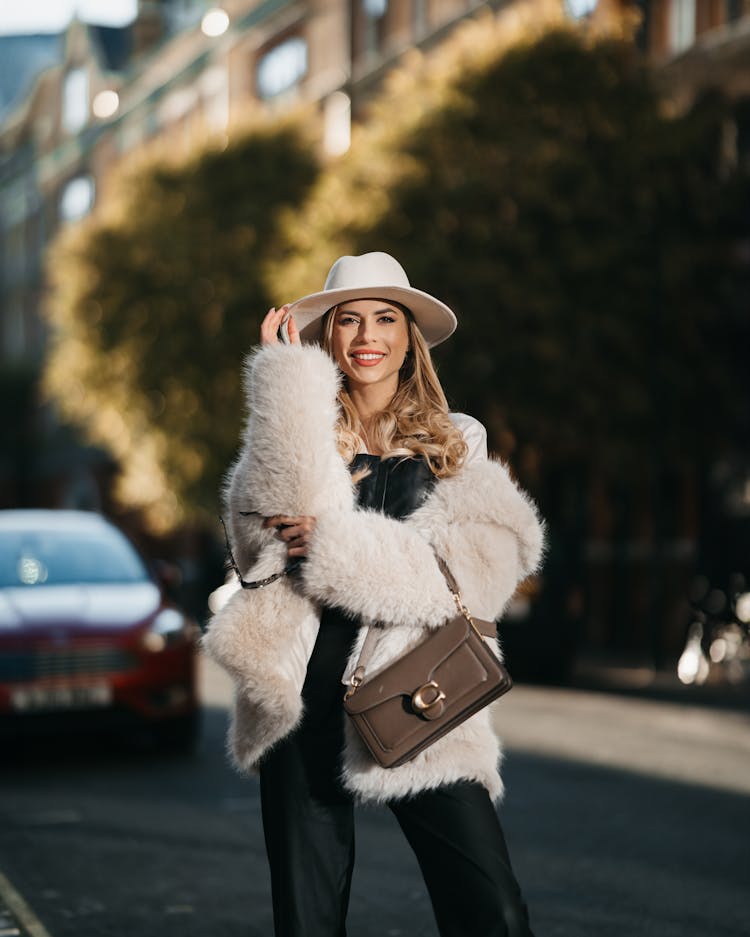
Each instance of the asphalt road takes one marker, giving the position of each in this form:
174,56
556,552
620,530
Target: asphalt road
625,817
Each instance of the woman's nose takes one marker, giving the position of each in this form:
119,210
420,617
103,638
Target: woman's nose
364,332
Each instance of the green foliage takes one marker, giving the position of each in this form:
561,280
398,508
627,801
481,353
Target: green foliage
156,301
584,238
578,233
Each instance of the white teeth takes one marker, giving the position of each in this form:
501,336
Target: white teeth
368,357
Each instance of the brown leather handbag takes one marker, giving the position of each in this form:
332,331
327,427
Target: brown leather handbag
428,691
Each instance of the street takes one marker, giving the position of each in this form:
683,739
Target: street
624,817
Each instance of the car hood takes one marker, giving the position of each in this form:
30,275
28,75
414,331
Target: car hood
78,606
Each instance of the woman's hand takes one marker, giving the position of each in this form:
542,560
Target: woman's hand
294,531
269,327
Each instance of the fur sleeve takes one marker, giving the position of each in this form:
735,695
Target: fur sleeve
373,566
384,570
288,463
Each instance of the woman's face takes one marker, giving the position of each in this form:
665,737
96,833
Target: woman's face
370,339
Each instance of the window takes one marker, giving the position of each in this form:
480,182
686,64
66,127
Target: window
375,13
376,9
681,25
77,198
419,18
75,103
579,9
59,557
282,68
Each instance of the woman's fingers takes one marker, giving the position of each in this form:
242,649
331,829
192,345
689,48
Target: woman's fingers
287,520
294,531
293,551
269,327
293,332
290,532
296,538
294,535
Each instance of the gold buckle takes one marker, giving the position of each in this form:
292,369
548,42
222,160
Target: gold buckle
463,610
355,681
421,704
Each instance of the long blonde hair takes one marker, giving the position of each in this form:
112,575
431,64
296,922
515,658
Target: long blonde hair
415,422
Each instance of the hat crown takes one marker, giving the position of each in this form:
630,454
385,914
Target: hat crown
375,270
375,275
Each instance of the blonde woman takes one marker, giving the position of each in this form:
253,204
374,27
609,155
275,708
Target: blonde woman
353,473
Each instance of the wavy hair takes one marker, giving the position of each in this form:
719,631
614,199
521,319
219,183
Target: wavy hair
415,422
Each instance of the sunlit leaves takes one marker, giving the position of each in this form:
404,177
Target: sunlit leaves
582,236
156,300
525,172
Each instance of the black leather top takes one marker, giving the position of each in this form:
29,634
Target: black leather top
396,486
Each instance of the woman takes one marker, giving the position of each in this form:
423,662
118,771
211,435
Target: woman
353,472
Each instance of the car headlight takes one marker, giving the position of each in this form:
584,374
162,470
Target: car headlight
169,627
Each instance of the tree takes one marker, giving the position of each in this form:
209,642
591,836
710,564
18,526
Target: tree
580,234
154,302
535,183
586,239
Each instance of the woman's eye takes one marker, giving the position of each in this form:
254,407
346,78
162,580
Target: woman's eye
347,320
387,319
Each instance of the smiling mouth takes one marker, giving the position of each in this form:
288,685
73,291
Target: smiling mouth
367,358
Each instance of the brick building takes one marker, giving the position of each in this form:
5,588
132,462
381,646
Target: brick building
695,44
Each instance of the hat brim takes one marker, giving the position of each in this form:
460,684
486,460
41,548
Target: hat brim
434,319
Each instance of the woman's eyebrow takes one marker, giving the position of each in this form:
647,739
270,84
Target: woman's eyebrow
376,312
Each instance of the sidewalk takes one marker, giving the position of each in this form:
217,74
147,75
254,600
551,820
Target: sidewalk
614,675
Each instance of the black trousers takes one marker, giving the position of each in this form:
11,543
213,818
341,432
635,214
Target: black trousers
308,821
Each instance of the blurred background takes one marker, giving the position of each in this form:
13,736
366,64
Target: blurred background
573,178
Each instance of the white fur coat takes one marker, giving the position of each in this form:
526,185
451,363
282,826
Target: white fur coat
372,566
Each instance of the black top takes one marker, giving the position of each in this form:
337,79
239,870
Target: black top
396,486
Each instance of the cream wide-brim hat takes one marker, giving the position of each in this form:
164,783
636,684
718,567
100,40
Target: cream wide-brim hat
372,276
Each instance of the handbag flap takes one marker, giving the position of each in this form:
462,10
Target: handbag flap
411,670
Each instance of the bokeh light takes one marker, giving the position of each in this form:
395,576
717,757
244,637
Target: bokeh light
215,22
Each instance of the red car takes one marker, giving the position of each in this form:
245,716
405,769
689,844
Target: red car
86,635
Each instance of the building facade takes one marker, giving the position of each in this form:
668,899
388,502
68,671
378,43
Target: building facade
696,44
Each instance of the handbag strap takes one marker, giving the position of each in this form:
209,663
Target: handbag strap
291,565
447,574
368,644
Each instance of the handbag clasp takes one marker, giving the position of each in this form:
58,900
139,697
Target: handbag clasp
355,681
428,700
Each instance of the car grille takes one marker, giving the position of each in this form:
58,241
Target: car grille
67,662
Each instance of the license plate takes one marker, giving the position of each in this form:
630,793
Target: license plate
40,698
